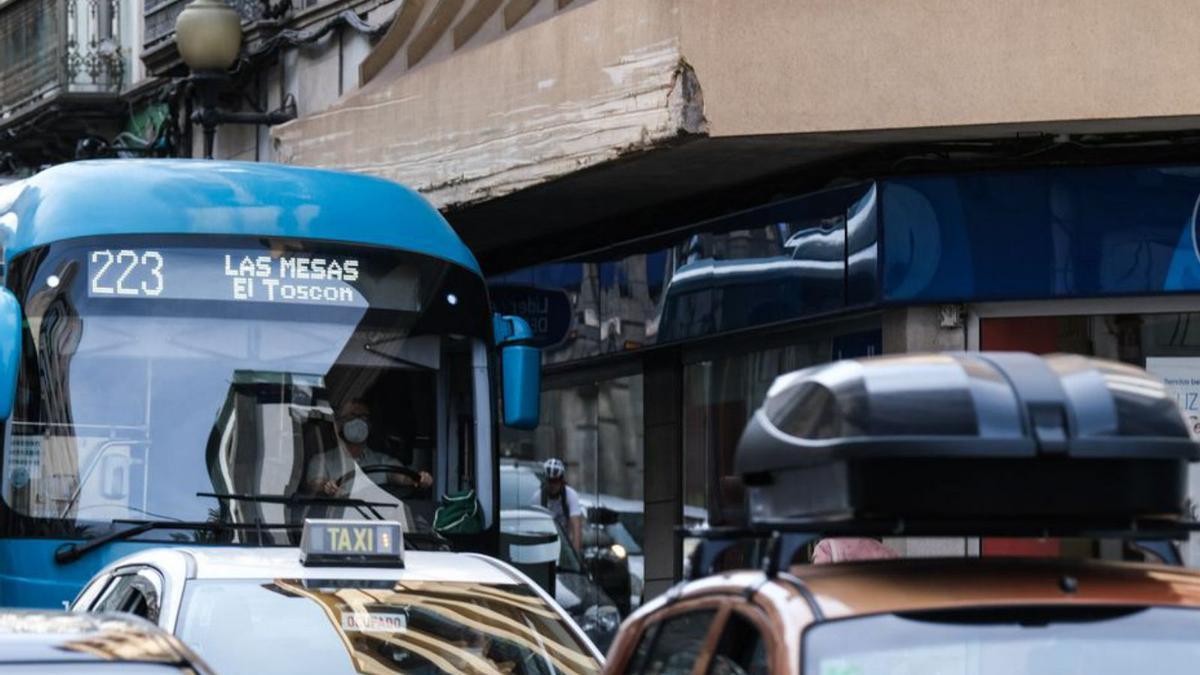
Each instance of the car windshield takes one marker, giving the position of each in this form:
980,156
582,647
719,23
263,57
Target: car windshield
332,627
1024,641
178,365
95,668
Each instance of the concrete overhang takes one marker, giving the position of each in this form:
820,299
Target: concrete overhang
611,106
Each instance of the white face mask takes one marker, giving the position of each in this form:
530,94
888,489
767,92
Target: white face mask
356,430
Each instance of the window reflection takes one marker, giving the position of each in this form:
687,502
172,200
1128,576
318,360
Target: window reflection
597,430
631,291
790,259
1040,233
132,407
720,395
754,277
862,250
352,627
1167,345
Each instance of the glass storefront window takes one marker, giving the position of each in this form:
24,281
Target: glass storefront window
1040,233
1165,344
720,395
799,257
561,302
631,293
596,428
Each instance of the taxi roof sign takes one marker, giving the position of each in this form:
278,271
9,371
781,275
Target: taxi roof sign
352,543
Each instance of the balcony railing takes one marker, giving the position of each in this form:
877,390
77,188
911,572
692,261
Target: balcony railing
50,47
160,18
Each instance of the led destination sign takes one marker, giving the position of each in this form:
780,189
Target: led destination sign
234,276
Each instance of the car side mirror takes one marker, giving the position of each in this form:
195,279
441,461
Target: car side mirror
601,515
10,350
521,370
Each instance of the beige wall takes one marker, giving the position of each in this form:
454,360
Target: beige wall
612,78
796,66
583,88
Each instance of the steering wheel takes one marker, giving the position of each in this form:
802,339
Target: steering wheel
401,492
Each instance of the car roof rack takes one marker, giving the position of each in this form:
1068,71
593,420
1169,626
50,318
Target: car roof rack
781,544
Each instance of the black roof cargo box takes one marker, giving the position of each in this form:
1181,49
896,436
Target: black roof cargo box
968,436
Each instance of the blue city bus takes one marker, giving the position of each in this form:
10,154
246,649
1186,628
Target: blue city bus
193,351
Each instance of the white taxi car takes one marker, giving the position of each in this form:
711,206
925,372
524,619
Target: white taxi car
349,600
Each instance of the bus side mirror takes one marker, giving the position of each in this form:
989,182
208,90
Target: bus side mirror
521,368
10,350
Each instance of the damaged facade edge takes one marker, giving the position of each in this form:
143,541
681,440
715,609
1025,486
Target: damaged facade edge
644,99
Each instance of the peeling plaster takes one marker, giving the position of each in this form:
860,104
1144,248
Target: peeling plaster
686,101
648,97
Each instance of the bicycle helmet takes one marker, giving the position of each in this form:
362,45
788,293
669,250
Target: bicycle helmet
554,468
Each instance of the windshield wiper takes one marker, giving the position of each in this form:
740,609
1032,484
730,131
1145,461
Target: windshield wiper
365,508
72,551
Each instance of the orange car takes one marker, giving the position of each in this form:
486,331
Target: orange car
923,616
983,445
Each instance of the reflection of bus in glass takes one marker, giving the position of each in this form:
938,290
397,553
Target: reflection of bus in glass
211,352
819,255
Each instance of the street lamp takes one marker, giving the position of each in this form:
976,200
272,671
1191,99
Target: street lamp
209,36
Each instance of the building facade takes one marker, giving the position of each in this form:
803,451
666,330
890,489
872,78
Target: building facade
686,198
69,74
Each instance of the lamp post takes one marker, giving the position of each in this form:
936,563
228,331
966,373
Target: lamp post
209,36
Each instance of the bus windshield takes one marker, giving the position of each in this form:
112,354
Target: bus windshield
245,371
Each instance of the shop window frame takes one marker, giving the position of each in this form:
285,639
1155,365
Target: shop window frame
1143,304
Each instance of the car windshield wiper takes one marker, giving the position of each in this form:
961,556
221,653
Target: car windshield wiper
365,508
72,551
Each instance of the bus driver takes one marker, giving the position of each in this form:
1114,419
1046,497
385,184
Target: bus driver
332,472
